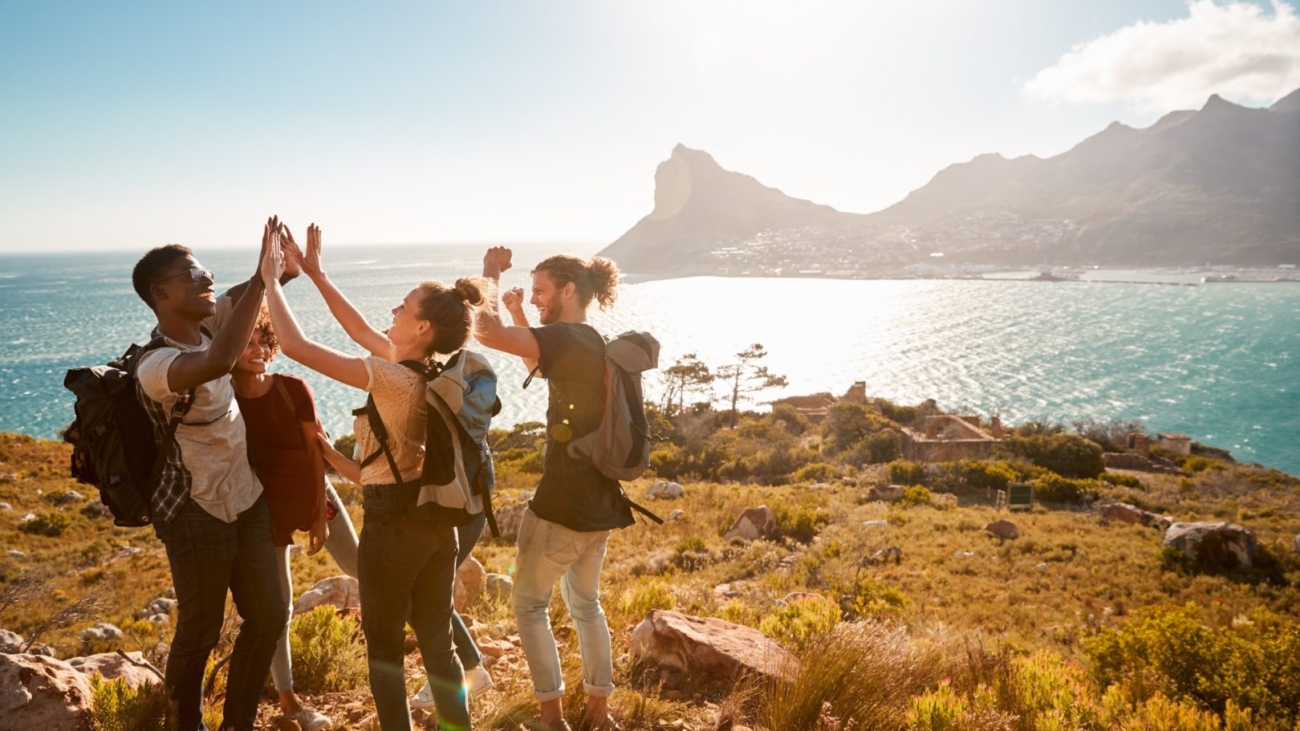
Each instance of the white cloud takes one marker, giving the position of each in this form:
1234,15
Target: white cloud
1237,50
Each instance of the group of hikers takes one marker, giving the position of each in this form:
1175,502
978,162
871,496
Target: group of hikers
244,459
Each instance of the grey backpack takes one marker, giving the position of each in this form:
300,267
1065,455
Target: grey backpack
620,446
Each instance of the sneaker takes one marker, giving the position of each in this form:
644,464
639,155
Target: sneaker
309,719
477,680
423,699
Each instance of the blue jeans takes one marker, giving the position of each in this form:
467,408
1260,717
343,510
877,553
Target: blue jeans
549,551
408,560
208,557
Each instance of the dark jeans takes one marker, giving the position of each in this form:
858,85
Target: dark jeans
207,557
407,560
466,538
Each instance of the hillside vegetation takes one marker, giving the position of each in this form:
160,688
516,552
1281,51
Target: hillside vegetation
1077,624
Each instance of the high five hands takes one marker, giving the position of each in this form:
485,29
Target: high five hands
308,263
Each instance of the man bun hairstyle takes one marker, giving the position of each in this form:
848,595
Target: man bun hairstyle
452,311
152,266
595,279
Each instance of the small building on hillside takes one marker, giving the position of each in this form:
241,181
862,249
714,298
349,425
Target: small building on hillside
815,406
1175,443
949,438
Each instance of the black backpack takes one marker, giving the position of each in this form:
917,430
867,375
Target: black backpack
112,436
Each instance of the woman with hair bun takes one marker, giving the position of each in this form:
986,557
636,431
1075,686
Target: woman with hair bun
406,558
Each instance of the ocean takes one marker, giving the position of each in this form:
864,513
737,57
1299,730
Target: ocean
1220,363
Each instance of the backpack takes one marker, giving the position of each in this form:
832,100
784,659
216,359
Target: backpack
620,446
457,479
112,436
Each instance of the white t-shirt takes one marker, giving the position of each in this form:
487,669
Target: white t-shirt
213,445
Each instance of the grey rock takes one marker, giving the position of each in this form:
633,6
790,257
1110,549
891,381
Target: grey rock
7,478
665,490
876,524
112,666
887,493
340,592
6,506
753,524
676,515
100,631
15,553
1003,530
499,588
1133,515
10,642
885,555
38,692
1215,546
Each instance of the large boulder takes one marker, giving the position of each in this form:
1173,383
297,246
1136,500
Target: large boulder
100,631
1003,530
1133,515
887,493
703,651
112,666
470,579
42,693
500,588
753,524
1213,545
664,490
341,592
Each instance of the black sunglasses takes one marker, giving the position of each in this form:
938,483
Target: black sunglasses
196,274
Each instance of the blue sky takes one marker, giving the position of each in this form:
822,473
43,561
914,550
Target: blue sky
127,125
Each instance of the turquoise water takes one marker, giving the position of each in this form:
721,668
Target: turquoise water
1219,363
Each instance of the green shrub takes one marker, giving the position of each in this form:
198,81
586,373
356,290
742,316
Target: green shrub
816,472
984,475
848,423
327,651
1068,455
800,522
346,444
883,446
794,422
902,472
1255,661
801,621
864,597
520,459
914,495
1124,480
637,601
1196,464
526,435
48,523
1054,488
116,706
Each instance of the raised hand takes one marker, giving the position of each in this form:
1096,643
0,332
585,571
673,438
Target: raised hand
311,263
272,257
292,254
268,231
513,300
495,261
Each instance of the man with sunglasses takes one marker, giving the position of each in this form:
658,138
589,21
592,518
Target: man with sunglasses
207,506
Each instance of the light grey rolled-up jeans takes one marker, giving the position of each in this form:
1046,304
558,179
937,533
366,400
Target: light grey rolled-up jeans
342,547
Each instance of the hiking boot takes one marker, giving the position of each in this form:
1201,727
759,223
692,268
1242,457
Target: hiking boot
309,719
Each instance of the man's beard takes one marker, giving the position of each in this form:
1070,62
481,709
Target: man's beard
552,312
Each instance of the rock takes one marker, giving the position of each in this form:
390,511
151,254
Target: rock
159,605
112,666
340,592
510,517
753,524
96,509
695,651
62,498
676,515
495,648
1041,567
1003,530
42,693
100,631
1133,515
10,642
160,619
885,555
1214,545
170,593
6,506
15,553
887,493
725,591
876,524
7,478
664,490
123,552
42,650
470,579
820,486
499,588
28,518
963,554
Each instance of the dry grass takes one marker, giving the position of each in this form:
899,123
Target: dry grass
1067,577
